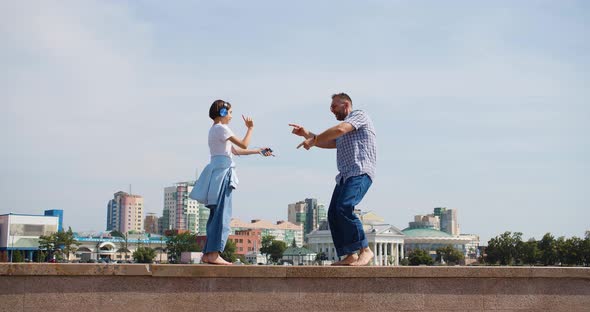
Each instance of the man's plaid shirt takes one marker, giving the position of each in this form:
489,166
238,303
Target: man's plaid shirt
356,151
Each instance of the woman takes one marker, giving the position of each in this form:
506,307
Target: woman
217,181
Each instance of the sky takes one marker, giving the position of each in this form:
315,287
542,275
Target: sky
479,106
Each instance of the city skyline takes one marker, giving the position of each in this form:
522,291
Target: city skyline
480,107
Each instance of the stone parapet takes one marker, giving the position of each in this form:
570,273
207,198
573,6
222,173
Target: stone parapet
139,287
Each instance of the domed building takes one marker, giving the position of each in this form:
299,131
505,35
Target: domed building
430,239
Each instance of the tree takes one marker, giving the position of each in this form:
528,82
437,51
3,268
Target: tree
229,253
320,256
181,243
503,248
49,244
124,246
67,242
40,256
273,248
449,254
144,255
115,233
265,245
277,248
419,256
570,251
293,243
17,256
586,249
242,258
528,252
548,250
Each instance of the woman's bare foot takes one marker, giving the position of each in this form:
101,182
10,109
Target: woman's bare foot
364,258
350,259
214,258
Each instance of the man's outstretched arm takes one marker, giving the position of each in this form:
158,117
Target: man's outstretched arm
327,139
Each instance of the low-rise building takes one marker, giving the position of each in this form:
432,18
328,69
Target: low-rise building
97,246
246,241
299,256
21,232
281,230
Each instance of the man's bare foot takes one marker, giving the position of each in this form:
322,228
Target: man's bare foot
204,259
365,256
214,258
348,260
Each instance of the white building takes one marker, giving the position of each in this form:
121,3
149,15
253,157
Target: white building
299,256
255,257
21,232
97,246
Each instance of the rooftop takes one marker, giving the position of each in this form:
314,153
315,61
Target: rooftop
425,232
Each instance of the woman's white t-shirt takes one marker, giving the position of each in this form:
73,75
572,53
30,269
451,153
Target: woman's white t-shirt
218,140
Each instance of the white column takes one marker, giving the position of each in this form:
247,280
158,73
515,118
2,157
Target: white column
380,254
375,253
403,252
329,252
385,252
392,253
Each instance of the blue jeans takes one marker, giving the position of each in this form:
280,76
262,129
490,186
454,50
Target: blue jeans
219,218
347,230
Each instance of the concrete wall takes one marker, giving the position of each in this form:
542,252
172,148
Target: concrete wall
136,287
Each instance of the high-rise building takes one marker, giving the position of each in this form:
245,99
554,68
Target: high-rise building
151,224
125,213
161,221
322,215
308,213
443,219
180,212
426,221
448,220
297,213
203,217
311,218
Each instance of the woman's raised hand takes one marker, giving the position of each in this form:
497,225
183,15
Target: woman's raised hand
248,122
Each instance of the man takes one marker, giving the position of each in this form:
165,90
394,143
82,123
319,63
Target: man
356,156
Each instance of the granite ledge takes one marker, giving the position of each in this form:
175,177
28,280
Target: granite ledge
246,271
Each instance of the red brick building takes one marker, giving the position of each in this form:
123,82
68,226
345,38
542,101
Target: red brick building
246,241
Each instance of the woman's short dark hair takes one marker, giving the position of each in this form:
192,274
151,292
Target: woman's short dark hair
216,107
